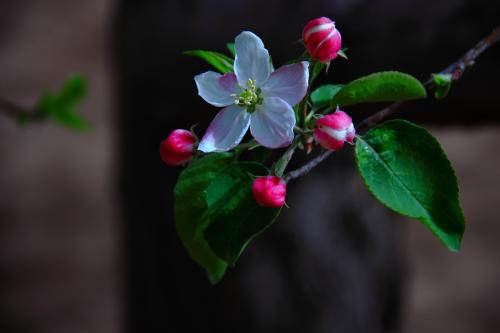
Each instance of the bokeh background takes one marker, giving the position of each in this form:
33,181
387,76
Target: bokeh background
87,240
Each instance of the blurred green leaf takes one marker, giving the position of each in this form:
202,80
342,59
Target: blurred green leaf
61,106
380,87
406,169
219,61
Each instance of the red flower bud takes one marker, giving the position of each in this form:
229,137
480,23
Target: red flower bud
269,191
333,130
322,40
178,147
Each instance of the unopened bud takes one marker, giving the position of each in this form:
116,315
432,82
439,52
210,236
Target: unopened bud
322,39
333,130
178,147
269,191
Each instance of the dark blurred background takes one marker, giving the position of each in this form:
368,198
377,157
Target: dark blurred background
87,240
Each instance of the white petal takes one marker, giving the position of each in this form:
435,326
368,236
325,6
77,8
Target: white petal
288,83
226,130
272,123
216,89
252,59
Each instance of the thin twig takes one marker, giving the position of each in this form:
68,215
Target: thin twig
456,69
303,170
13,110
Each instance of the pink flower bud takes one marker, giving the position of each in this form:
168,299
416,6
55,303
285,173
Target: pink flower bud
333,130
322,40
178,147
269,191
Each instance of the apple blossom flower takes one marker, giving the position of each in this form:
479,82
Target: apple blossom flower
178,147
333,130
269,191
322,39
254,96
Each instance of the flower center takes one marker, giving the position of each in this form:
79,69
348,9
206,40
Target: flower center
250,97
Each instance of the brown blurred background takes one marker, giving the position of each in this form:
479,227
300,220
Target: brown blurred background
87,242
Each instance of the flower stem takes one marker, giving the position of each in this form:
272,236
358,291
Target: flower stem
280,165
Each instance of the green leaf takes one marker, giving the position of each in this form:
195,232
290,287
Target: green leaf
73,91
61,105
380,87
190,208
323,95
235,217
72,120
342,53
221,62
442,85
230,47
405,168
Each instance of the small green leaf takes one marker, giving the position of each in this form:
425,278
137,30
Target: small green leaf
190,208
235,217
61,106
73,91
380,87
230,47
442,85
405,168
72,120
221,62
323,95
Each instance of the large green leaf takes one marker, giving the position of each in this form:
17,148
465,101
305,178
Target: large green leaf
191,216
380,87
235,217
221,62
407,170
323,95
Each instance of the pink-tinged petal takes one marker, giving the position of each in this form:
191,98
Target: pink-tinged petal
316,25
323,41
272,123
338,120
226,130
329,138
288,83
328,48
252,59
333,130
216,89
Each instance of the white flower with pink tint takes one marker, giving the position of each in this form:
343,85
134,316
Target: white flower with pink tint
254,96
333,130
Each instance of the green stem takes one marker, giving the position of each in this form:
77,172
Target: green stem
280,165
